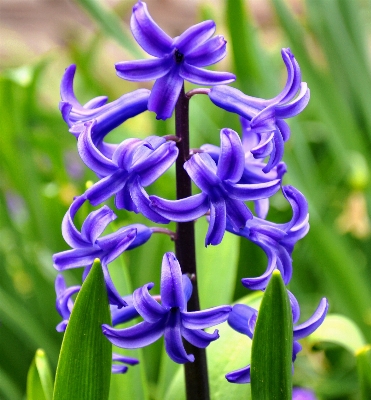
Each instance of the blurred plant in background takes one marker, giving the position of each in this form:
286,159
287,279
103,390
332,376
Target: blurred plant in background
327,157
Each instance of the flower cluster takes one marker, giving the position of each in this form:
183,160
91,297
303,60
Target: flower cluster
227,176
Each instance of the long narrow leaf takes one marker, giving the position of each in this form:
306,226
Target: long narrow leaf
39,379
271,353
84,367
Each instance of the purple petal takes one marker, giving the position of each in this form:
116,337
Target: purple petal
143,235
233,100
238,213
202,170
309,326
91,156
208,53
125,151
205,318
95,223
114,297
187,287
69,232
299,206
106,187
136,336
199,338
261,208
294,307
96,102
303,394
165,93
217,222
194,36
183,210
243,319
147,33
173,340
254,191
144,70
293,78
240,376
157,163
232,158
124,359
118,369
144,203
75,258
295,107
66,89
201,76
115,244
277,153
172,283
124,314
64,303
284,129
146,305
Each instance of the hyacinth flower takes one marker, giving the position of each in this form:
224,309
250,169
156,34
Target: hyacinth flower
277,240
64,305
266,117
87,245
170,318
243,320
176,60
106,116
135,164
253,172
221,192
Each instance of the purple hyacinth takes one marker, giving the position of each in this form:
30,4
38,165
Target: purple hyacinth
170,318
266,117
277,240
178,59
106,116
135,164
87,245
253,172
221,191
243,319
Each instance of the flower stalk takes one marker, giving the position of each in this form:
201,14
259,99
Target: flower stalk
196,376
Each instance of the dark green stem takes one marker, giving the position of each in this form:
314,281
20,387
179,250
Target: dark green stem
196,377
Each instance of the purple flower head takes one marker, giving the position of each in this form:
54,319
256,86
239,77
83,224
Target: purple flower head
170,318
106,116
134,165
277,240
243,319
266,117
253,171
221,191
87,245
176,59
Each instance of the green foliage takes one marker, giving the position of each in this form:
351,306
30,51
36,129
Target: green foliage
39,378
271,355
364,371
84,366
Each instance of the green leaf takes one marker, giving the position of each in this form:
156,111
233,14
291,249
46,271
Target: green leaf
39,378
364,371
84,366
339,330
271,353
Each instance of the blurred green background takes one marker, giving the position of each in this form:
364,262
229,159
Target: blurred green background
327,157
